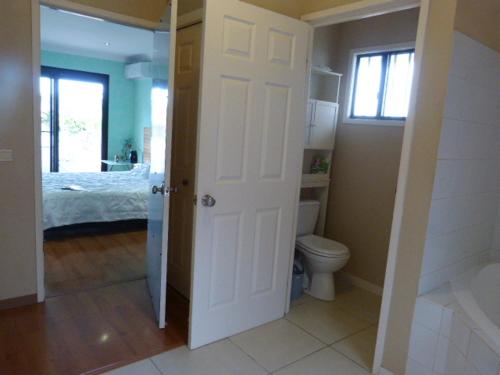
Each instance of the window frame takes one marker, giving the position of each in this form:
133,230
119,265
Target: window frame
355,55
55,74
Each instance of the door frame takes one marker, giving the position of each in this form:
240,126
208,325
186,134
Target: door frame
36,69
357,11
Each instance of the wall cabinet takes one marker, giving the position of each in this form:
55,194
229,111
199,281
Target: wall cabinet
321,124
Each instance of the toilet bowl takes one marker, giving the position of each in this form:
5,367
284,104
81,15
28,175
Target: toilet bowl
322,256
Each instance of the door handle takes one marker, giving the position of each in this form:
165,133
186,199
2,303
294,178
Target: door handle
208,201
163,190
158,189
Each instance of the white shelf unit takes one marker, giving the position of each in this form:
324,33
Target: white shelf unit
320,131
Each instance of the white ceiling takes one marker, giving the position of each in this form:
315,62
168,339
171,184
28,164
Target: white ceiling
74,34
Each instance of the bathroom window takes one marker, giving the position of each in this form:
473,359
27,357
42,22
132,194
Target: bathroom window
381,85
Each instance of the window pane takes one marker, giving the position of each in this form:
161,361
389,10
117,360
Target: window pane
80,121
159,101
398,86
45,94
45,152
366,94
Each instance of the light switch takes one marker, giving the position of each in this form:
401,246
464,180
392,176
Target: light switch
6,155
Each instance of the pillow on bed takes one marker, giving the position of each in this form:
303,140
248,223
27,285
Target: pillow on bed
141,170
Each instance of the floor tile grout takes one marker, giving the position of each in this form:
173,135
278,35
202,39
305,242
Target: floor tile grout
155,366
345,355
249,356
299,359
350,359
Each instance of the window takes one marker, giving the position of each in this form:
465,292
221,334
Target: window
74,110
381,85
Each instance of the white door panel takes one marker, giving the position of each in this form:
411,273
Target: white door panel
160,176
253,110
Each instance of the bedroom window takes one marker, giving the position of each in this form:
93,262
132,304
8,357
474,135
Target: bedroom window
381,85
74,110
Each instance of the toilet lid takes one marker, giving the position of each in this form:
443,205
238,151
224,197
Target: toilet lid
322,246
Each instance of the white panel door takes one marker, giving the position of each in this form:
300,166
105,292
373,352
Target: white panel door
159,178
187,76
251,137
323,125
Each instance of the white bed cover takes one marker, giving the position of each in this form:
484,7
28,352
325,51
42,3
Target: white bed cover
107,196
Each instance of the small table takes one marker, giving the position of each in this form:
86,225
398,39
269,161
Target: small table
111,164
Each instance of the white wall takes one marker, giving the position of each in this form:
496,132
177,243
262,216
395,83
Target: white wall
467,183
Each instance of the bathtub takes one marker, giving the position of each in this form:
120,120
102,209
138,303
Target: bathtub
478,293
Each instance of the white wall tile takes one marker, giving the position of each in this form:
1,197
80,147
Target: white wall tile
423,345
455,362
441,359
415,368
443,250
460,334
428,314
484,359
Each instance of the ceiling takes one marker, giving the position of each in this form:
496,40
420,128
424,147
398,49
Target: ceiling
86,36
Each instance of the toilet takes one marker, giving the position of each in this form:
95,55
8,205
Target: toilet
322,256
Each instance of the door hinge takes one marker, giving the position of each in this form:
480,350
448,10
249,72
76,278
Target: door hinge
195,199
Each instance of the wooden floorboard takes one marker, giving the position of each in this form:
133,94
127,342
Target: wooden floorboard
84,262
100,315
88,332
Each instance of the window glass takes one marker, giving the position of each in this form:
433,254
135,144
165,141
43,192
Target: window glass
367,85
46,95
382,85
399,78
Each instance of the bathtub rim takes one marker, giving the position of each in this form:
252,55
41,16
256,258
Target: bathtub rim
482,324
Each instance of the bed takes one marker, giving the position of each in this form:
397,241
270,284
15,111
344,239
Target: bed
95,197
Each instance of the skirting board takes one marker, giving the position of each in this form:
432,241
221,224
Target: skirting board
360,283
11,303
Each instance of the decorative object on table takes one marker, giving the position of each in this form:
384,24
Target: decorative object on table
127,147
133,156
116,158
319,165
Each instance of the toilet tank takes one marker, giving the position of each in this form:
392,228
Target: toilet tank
307,217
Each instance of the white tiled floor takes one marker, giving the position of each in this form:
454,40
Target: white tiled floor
334,338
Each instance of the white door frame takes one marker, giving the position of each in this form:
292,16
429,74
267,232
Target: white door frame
356,11
36,49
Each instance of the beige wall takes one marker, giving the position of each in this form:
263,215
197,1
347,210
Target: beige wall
186,6
366,158
308,6
151,10
292,8
480,20
17,207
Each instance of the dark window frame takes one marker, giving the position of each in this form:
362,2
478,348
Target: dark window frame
60,73
382,86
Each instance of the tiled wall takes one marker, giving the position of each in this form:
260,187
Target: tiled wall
467,184
445,341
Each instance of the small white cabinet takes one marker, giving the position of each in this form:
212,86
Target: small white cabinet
321,124
320,128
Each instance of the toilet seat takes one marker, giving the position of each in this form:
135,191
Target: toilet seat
322,246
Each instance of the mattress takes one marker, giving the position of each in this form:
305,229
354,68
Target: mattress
97,197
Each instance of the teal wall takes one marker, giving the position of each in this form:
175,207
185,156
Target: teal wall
142,112
123,105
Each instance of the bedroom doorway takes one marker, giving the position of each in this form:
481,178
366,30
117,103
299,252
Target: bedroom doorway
104,89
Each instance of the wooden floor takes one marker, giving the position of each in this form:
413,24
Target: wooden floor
100,314
88,332
83,262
